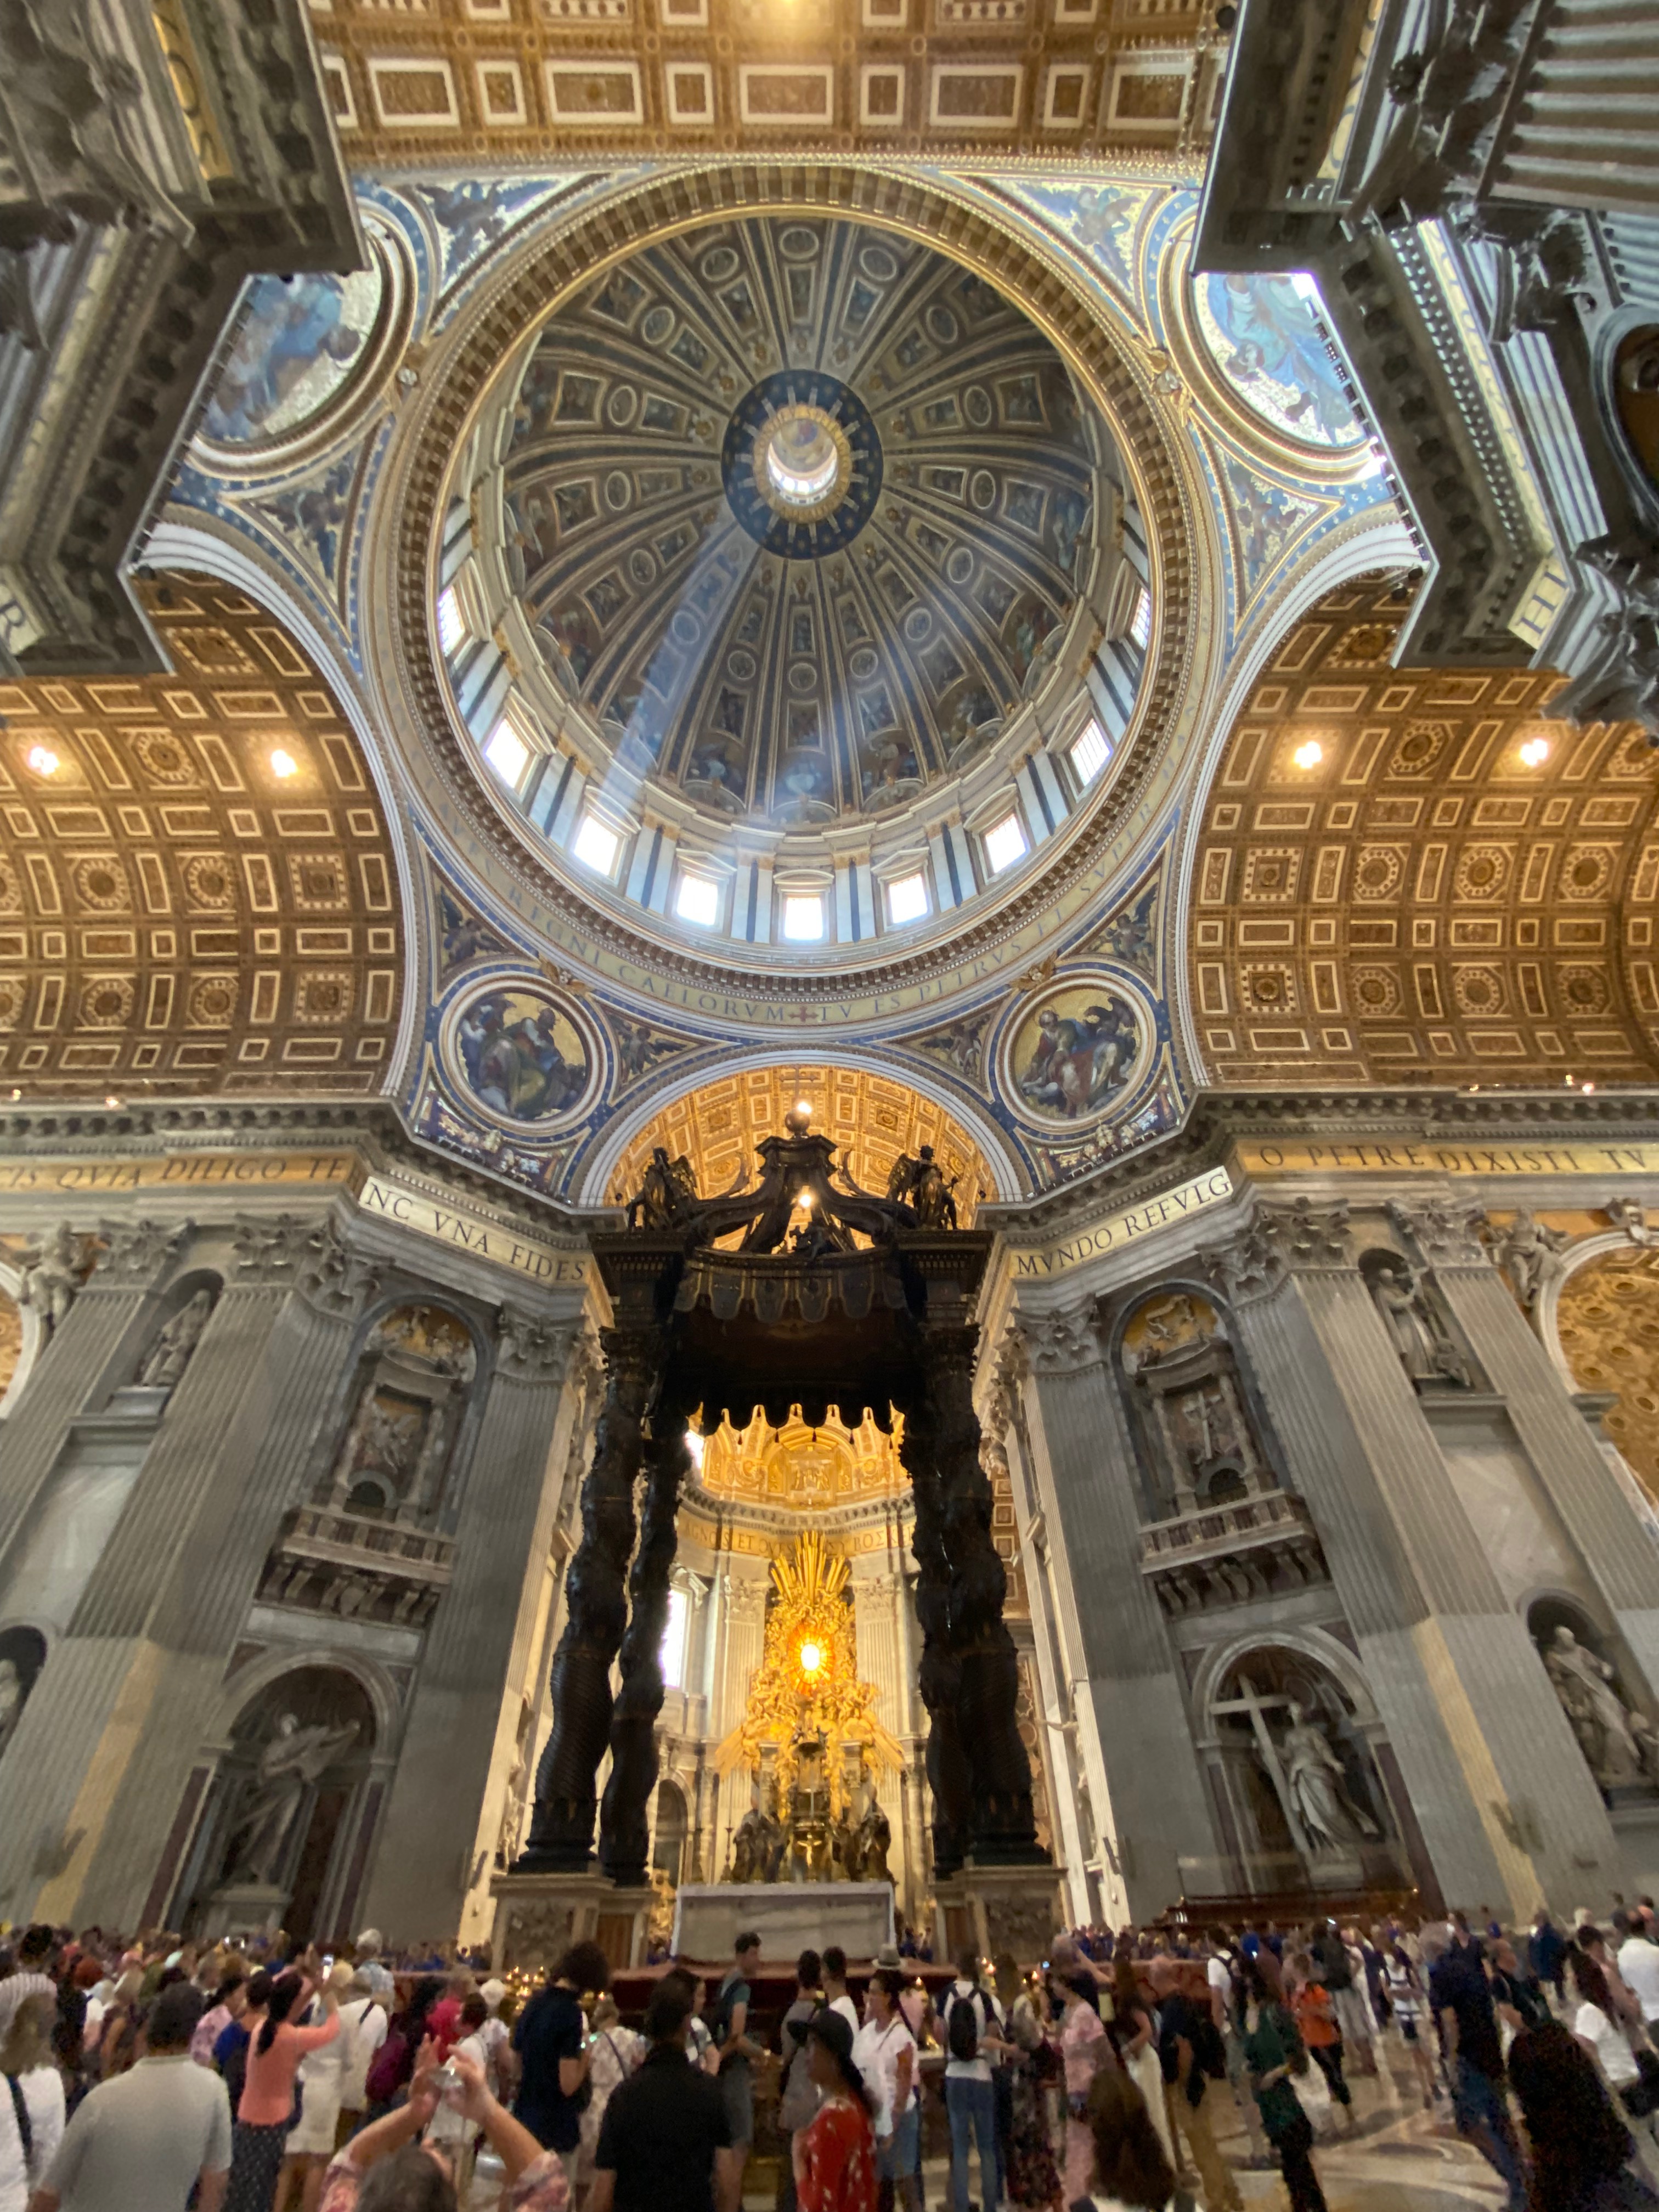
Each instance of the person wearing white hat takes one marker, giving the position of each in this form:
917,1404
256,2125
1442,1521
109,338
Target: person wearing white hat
32,2115
364,2016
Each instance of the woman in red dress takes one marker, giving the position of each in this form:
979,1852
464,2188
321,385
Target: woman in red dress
835,2154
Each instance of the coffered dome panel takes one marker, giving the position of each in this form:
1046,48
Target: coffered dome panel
788,590
771,644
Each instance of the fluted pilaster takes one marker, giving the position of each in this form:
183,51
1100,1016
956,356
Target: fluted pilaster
1496,1786
432,1814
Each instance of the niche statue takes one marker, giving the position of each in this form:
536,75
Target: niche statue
1426,1351
170,1354
1620,1747
291,1763
1318,1787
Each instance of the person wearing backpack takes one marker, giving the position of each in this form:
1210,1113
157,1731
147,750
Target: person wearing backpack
1191,2054
972,2022
797,2098
728,2018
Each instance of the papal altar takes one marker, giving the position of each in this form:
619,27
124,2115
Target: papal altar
789,1918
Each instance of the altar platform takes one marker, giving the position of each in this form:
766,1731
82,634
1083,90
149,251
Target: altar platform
789,1918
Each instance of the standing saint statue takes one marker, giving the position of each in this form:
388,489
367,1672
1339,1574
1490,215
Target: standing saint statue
1620,1747
1317,1786
291,1763
875,1836
52,1275
1426,1353
1530,1255
171,1352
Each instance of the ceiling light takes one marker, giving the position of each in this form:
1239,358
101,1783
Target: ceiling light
1308,754
1534,752
806,1201
112,1100
284,764
1005,844
42,760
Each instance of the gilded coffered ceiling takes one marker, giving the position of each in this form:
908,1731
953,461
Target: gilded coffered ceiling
1414,874
870,1118
512,80
198,890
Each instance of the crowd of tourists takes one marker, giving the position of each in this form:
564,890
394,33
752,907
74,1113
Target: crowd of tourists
159,2075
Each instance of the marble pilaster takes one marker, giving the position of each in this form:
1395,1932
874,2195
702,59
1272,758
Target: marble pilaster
1150,1793
136,1685
434,1814
1502,1802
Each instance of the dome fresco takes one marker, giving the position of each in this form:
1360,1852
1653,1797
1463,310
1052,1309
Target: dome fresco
799,510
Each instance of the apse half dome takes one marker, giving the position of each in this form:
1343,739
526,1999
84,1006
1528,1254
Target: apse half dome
789,591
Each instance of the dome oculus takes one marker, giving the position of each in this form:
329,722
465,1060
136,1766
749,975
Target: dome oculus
802,465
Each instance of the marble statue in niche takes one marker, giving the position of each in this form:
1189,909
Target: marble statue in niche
1420,1337
291,1763
1187,1388
1620,1745
164,1365
1316,1785
417,1364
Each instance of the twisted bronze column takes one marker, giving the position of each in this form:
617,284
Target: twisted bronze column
939,1677
561,1839
1000,1828
625,1811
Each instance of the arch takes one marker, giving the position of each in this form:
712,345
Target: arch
176,543
1597,1348
1380,544
671,1830
31,1338
22,1655
251,1682
628,1126
1317,1645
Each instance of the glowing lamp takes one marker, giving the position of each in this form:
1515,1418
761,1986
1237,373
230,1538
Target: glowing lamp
812,1657
1534,752
283,765
1310,755
43,760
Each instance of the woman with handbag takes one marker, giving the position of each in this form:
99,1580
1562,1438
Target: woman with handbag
1273,2052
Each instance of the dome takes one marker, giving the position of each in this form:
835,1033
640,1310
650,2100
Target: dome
789,588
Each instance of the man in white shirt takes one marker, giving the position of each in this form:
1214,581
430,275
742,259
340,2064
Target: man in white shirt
363,2019
968,2097
1639,1966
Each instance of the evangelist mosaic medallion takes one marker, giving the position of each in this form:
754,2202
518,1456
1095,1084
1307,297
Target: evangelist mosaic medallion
802,464
522,1053
302,340
1074,1050
1266,340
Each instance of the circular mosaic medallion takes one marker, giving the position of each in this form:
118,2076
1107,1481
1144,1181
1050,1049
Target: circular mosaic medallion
522,1052
802,464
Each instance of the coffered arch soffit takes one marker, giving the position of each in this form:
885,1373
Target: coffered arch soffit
1412,873
200,887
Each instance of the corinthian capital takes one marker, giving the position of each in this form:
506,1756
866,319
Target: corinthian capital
333,1278
137,1251
533,1348
1059,1342
1447,1233
1252,1266
1314,1235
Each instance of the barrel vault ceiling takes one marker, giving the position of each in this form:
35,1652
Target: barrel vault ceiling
197,889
